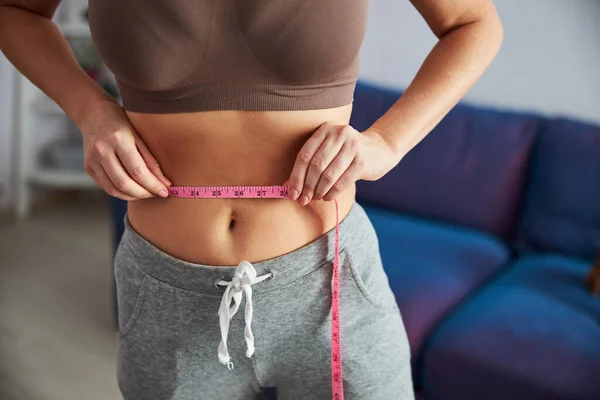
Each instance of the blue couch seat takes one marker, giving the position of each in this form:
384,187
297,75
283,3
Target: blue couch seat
432,266
533,333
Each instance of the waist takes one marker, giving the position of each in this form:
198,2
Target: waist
231,148
226,231
355,231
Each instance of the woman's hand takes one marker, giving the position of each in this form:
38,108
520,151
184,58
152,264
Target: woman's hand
116,157
335,157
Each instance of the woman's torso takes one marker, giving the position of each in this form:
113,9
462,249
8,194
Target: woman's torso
221,148
184,67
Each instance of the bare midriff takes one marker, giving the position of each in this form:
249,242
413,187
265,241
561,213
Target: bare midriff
230,148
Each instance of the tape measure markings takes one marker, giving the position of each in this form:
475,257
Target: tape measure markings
229,192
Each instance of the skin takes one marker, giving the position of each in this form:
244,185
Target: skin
315,152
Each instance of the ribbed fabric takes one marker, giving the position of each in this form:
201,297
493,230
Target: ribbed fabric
223,97
190,55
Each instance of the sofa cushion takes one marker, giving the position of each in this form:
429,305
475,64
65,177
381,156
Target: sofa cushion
469,171
370,102
562,212
531,334
431,267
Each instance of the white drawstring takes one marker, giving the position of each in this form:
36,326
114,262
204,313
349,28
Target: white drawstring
243,279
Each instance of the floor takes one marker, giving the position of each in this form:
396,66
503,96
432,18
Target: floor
57,336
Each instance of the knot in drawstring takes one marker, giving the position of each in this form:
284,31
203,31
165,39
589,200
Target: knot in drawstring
239,281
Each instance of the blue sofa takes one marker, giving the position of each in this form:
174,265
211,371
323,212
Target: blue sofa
487,230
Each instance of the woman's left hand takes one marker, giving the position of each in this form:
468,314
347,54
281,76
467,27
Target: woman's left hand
335,157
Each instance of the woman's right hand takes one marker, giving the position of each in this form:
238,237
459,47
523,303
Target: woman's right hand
116,157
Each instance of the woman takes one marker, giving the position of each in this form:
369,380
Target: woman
220,93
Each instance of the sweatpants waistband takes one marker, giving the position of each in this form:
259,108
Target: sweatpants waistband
285,268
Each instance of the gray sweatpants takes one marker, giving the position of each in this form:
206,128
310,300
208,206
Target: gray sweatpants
172,316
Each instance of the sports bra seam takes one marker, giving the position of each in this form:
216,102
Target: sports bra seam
194,71
256,60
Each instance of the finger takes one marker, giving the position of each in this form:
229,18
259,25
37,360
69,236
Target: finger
296,181
334,171
319,163
101,178
348,177
135,166
121,179
151,162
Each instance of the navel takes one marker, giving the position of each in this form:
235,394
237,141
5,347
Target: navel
232,219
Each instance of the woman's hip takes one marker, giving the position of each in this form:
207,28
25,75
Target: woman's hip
170,308
160,295
158,288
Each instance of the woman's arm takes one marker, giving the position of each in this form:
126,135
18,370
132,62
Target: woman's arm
115,156
470,35
37,48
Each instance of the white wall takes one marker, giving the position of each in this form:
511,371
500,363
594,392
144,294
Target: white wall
6,128
549,61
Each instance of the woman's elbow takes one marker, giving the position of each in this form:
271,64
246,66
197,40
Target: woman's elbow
494,31
497,31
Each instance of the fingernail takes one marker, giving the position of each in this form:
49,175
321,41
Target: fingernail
304,200
163,193
169,182
293,193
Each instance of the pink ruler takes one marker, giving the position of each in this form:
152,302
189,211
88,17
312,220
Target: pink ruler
229,192
280,192
336,345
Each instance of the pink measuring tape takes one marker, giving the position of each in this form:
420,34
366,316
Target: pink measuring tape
280,192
